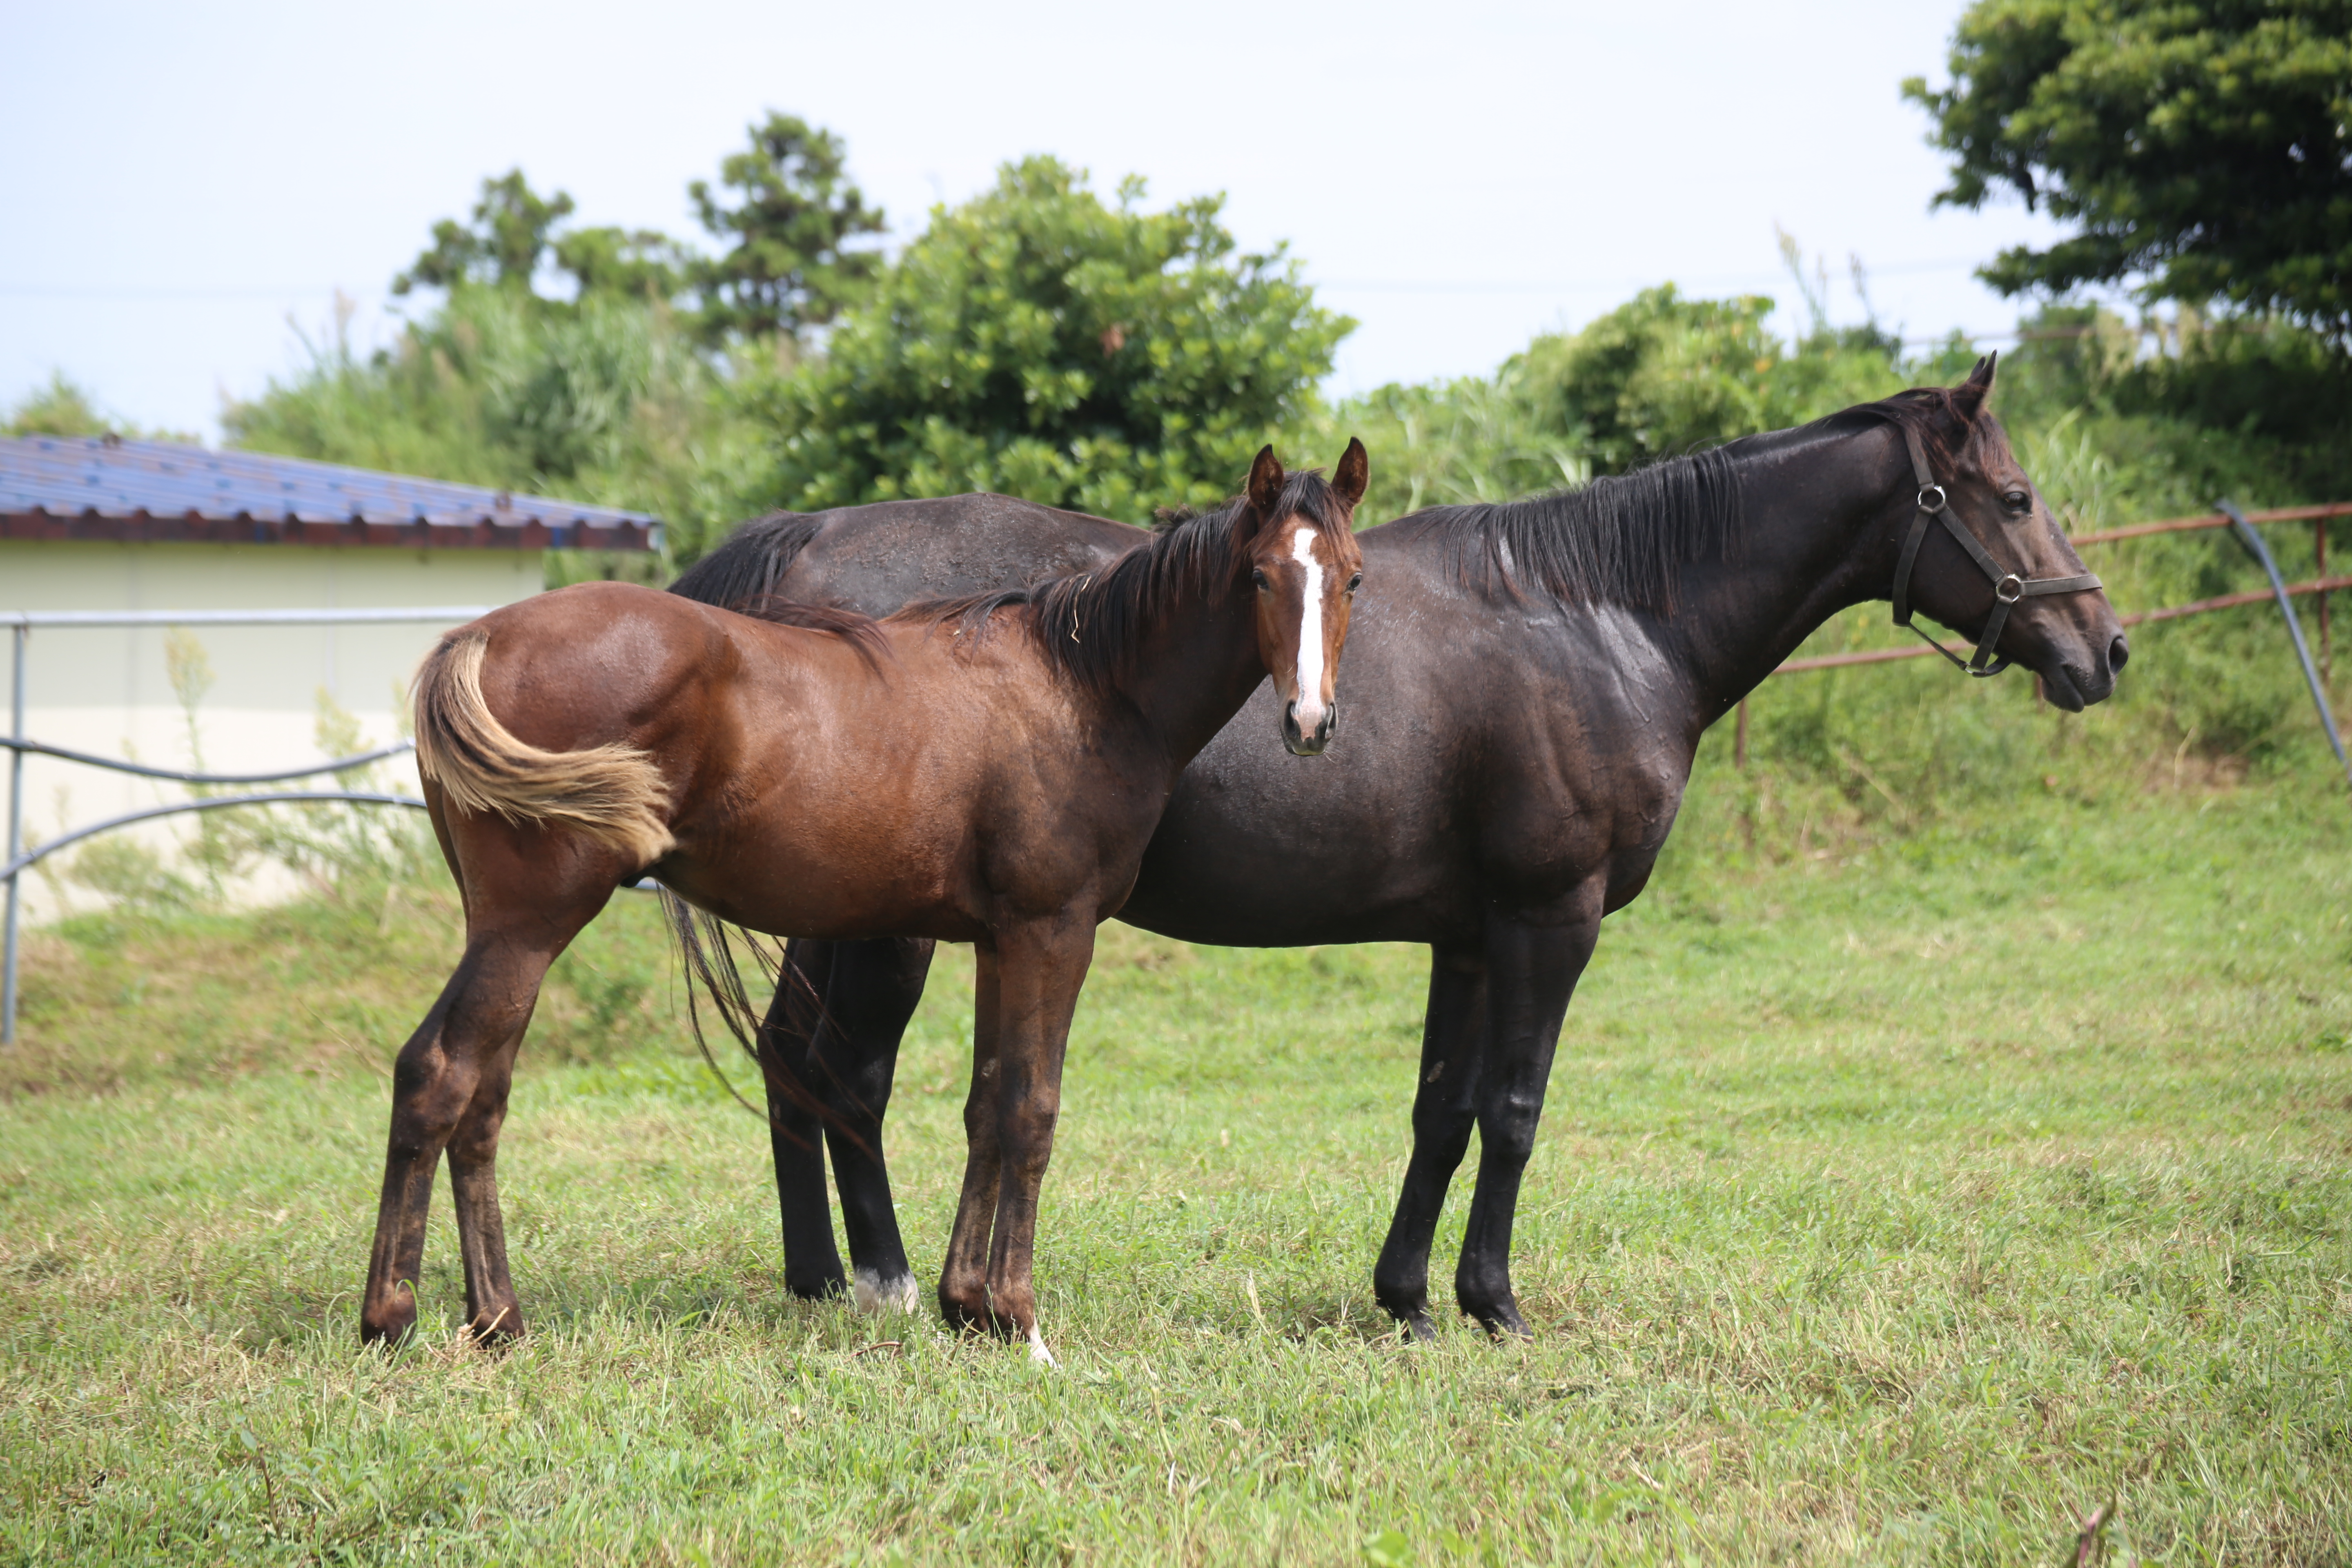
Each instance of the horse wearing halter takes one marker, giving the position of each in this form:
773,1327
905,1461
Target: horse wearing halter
2007,587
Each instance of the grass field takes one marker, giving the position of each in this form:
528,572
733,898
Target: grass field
1903,1203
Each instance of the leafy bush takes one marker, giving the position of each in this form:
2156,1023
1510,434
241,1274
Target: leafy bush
1039,343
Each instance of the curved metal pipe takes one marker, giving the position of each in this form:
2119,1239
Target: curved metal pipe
2262,553
340,764
215,802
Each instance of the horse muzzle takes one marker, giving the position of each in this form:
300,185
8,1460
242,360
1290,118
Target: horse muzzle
1303,742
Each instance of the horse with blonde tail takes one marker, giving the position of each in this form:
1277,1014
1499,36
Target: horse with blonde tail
987,770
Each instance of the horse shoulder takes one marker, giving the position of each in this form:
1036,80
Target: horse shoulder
1583,765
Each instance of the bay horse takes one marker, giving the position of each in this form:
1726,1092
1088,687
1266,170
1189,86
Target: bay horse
986,769
1544,669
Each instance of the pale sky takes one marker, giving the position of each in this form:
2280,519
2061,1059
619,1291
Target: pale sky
182,188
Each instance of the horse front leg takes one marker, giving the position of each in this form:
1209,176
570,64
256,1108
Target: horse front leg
1443,1112
1043,966
1531,973
963,1278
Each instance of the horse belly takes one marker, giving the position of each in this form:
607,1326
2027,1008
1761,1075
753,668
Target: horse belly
850,888
850,815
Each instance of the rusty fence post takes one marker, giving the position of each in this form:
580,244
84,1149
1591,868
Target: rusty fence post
2319,550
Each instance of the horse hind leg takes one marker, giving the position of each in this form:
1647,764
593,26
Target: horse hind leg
874,989
812,1268
839,1014
449,1093
1443,1112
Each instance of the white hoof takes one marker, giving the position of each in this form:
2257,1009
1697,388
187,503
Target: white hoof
875,1295
1037,1351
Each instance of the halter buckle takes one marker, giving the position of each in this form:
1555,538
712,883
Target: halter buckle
1938,504
2010,589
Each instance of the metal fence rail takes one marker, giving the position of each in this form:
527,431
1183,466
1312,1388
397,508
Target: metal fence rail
21,624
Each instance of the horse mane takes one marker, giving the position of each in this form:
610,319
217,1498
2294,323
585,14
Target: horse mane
1090,624
1930,412
1618,540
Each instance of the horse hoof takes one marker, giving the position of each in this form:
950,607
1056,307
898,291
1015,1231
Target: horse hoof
964,1317
496,1329
1037,1351
390,1325
1418,1329
1503,1321
815,1287
875,1295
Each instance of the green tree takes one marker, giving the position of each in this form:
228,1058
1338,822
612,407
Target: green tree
789,264
59,408
1664,375
2204,146
641,263
1038,342
511,231
63,406
515,232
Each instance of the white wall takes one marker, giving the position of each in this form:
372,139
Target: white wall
109,691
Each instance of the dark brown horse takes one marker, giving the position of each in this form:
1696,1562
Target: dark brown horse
1538,675
987,770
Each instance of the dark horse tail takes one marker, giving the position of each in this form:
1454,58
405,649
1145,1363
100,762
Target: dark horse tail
746,569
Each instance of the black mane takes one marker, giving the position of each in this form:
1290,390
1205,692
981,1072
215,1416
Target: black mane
1089,624
1616,541
1933,412
1620,540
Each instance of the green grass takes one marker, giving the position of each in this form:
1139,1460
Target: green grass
1901,1202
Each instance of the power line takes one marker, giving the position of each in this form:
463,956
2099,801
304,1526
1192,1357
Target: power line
81,291
1565,286
1353,285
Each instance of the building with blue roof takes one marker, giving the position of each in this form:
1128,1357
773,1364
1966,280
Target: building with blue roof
100,524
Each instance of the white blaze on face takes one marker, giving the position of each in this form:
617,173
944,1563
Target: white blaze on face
1310,632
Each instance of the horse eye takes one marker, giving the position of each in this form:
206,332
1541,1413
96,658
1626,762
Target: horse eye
2018,501
1257,577
1355,582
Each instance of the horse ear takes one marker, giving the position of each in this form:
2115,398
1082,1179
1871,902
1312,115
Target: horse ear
1265,487
1353,473
1968,397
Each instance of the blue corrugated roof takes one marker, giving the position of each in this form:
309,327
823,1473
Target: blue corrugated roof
67,476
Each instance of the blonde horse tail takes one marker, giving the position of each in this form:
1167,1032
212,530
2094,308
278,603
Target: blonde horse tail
613,794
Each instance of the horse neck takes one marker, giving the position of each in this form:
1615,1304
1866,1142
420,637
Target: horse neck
1813,542
1193,666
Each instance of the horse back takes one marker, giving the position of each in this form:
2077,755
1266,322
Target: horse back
875,559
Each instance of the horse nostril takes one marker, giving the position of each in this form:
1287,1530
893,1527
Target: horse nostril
2118,653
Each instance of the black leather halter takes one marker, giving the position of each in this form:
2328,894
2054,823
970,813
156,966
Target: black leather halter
2007,587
